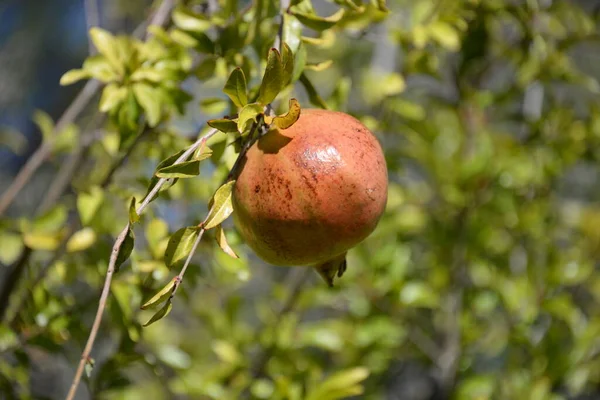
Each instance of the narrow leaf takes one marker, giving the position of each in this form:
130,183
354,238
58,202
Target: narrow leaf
224,125
247,115
160,314
44,123
272,81
81,240
126,248
202,153
162,295
317,23
222,241
287,60
180,244
292,31
299,62
112,96
222,206
99,68
287,120
313,96
188,21
382,6
73,76
186,169
319,66
235,88
133,215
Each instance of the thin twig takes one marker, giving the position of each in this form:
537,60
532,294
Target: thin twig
39,156
92,18
111,267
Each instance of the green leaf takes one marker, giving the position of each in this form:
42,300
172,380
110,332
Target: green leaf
313,96
292,31
104,41
99,68
133,215
160,314
319,66
180,244
224,125
222,206
186,169
73,76
272,81
11,245
152,74
81,240
45,124
148,98
287,60
299,62
202,153
235,88
213,105
112,96
126,248
287,120
340,385
89,366
164,163
45,241
88,204
247,115
222,242
315,22
381,5
183,38
189,21
66,139
162,295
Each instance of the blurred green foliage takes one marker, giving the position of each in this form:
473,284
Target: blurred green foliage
480,281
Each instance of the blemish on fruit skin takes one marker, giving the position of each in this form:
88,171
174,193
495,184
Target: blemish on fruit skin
257,189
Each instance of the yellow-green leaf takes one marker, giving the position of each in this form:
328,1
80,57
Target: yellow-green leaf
287,120
112,96
292,31
160,314
81,240
317,23
180,244
162,295
222,206
73,76
44,123
88,204
319,66
224,125
189,21
104,41
247,115
148,98
133,215
11,245
222,241
235,88
99,68
186,169
272,81
42,240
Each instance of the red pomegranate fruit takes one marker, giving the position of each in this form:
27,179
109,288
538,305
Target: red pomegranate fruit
307,194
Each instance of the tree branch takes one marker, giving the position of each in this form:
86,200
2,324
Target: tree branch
112,265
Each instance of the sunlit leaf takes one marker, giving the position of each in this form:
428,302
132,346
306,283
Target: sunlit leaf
235,88
248,115
88,203
272,81
287,60
44,123
81,240
287,120
160,314
133,215
319,66
104,41
186,169
222,206
73,76
99,68
317,23
224,125
11,245
299,62
112,96
162,295
222,241
180,244
189,21
148,98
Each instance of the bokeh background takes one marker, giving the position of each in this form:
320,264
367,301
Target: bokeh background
480,282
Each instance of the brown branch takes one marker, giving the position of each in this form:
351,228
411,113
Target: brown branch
112,264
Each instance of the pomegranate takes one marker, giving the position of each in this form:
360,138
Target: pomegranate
307,194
